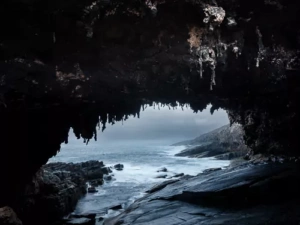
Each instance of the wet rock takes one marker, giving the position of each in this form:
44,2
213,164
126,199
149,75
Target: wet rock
108,178
9,217
57,187
211,170
92,190
119,167
89,216
52,195
81,221
106,170
90,170
116,207
160,186
96,182
178,175
231,155
163,169
235,196
162,176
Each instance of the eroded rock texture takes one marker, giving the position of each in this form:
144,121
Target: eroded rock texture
55,190
245,194
66,63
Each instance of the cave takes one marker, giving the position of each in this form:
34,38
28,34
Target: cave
84,64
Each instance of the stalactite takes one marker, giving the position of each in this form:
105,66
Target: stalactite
261,48
207,55
213,79
236,51
95,134
201,67
99,121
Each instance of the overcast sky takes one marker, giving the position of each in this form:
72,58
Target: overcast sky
169,126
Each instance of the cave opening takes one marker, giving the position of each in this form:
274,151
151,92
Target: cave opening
144,147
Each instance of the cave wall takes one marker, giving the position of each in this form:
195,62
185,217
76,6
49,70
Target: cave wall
78,64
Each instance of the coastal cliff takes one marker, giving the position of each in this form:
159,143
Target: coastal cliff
226,142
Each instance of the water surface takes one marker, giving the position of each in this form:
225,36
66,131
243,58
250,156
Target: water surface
141,160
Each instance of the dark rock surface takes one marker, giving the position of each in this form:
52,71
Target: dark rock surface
97,182
56,189
211,170
224,143
161,176
178,175
90,170
90,216
160,186
164,169
108,178
80,221
119,167
116,207
9,217
92,190
247,194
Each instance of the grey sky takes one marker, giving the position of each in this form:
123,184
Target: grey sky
165,125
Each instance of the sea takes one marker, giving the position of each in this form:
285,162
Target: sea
141,160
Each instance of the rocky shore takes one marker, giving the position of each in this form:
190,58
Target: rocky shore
245,194
56,189
224,143
253,193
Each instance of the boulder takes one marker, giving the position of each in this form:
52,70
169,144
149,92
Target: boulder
9,217
119,167
92,190
108,178
96,182
106,170
163,169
